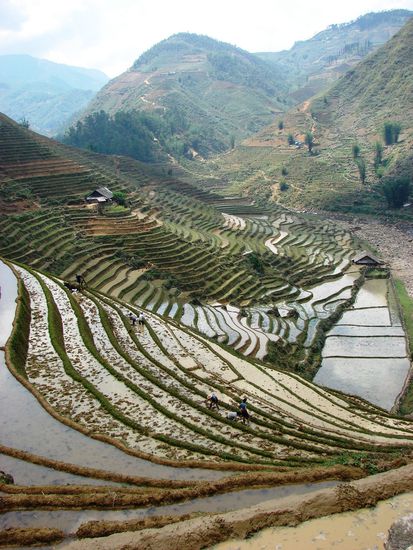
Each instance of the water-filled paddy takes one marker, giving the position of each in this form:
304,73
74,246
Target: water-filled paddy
377,380
8,295
364,354
25,425
374,316
70,520
365,346
372,294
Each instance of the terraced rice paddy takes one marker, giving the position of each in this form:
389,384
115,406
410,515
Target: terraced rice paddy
238,300
366,353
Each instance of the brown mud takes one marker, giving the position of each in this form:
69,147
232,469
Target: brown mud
81,497
198,533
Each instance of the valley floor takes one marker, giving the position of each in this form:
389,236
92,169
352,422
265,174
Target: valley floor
393,242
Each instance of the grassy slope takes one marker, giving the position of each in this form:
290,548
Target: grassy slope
211,88
379,89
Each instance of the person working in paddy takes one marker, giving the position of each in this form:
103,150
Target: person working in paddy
244,412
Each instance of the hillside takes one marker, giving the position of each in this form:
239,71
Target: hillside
353,112
314,65
46,94
254,303
212,94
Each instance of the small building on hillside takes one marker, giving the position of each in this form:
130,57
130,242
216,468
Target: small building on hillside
100,195
365,258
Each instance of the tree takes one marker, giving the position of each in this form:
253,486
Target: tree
355,150
361,165
290,139
397,191
391,132
396,131
284,171
119,197
280,124
232,141
309,141
24,123
378,157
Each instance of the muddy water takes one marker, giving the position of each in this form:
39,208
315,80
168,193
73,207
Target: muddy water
8,295
365,353
25,425
25,473
70,520
377,380
361,530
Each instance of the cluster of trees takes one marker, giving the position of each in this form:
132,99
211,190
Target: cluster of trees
397,191
137,134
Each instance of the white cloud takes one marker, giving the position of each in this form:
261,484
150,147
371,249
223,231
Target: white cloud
111,34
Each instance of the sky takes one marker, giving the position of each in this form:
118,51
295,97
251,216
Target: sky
110,34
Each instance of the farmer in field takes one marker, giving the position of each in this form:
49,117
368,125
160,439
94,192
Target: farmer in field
80,281
213,401
233,416
245,415
141,321
132,318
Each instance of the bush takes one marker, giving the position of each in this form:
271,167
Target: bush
283,186
361,165
391,132
397,191
355,151
290,139
280,124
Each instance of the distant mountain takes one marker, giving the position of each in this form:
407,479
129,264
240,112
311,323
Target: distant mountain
211,93
377,92
47,94
315,64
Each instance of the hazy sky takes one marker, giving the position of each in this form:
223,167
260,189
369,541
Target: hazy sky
110,34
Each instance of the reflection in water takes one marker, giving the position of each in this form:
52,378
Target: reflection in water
24,424
8,295
69,520
366,352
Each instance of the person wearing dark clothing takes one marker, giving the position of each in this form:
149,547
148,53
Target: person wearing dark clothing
133,319
213,401
244,411
80,281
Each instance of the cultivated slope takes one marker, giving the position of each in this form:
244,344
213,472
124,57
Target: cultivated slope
377,91
314,64
212,92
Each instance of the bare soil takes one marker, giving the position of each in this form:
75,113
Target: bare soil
198,533
393,242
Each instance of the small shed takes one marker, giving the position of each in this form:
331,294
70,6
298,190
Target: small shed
365,258
99,195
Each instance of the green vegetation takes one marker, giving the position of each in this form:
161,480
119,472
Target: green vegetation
309,141
378,155
19,340
406,403
361,166
130,134
397,191
280,124
391,132
290,139
355,150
